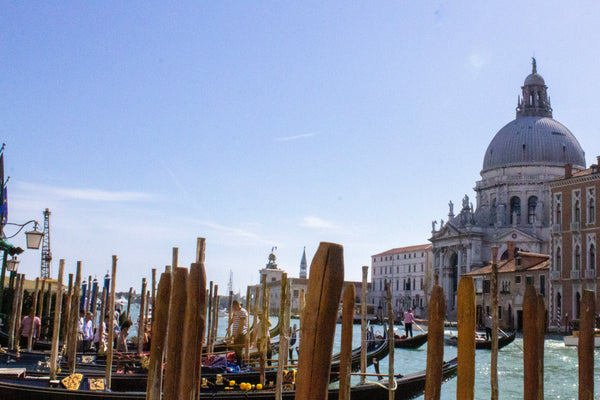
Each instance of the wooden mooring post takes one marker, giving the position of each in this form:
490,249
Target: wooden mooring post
284,335
494,338
541,330
391,339
363,324
160,321
194,326
64,334
32,314
318,322
585,351
141,318
466,316
111,321
74,320
530,345
435,344
171,389
56,322
16,312
346,346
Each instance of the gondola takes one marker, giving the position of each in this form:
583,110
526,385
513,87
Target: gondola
411,342
482,344
408,387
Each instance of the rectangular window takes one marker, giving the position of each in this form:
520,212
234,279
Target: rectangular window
529,280
486,286
543,285
518,279
499,312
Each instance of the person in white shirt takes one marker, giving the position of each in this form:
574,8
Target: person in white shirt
88,332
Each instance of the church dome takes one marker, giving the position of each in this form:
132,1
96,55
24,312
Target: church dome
533,138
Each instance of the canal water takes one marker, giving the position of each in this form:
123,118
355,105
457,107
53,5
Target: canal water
560,365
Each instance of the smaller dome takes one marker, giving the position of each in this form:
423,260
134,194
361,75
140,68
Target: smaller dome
534,79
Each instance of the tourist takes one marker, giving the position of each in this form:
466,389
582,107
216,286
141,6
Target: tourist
101,336
409,318
488,327
238,327
25,331
122,340
87,332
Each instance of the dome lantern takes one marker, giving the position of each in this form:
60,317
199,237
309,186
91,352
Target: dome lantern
534,101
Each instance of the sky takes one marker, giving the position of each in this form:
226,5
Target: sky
145,125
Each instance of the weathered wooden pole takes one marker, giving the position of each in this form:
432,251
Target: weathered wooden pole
541,330
74,320
13,315
103,306
435,344
530,345
171,387
160,321
56,328
209,317
32,313
215,318
494,357
585,349
248,336
363,324
64,334
142,320
154,286
129,296
40,299
48,309
391,338
318,322
466,316
264,332
88,299
147,312
284,335
19,309
194,326
111,329
346,346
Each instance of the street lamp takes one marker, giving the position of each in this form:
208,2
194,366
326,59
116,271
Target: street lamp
34,239
12,265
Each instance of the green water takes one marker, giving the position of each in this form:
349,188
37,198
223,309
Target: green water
560,366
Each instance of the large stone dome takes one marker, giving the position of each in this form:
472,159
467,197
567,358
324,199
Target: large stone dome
533,140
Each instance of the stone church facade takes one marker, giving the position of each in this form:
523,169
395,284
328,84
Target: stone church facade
512,199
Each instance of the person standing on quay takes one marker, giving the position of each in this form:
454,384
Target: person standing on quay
26,330
409,318
238,328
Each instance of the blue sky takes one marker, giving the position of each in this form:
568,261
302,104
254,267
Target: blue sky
144,125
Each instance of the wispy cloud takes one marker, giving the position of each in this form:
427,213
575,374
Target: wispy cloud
476,62
297,137
238,233
85,193
317,223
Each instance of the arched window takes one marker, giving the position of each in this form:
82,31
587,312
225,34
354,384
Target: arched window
577,258
558,259
558,214
591,212
592,257
577,212
493,212
515,209
531,206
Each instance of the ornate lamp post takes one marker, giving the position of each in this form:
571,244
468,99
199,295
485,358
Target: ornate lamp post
34,239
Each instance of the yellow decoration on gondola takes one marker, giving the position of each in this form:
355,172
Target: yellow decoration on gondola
96,384
258,386
72,382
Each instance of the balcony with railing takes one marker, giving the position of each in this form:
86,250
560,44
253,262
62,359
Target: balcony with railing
575,274
575,226
555,275
590,274
556,228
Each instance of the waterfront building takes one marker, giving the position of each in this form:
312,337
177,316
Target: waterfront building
513,274
408,269
512,199
575,231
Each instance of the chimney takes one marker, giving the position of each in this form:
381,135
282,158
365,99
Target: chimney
510,250
568,171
